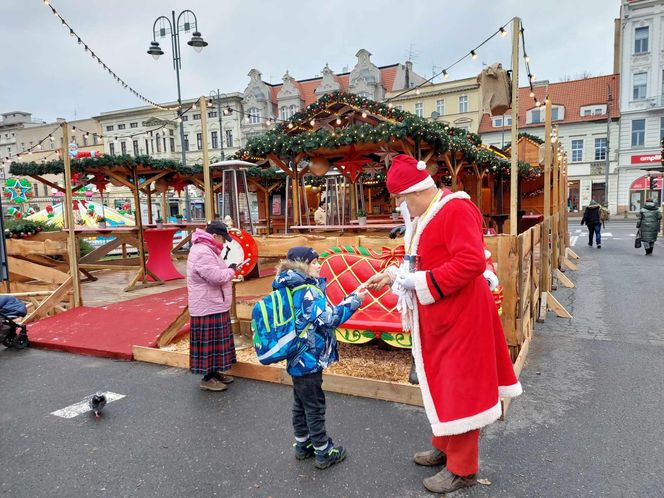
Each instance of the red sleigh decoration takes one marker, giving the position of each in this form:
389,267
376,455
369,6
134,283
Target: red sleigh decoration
346,268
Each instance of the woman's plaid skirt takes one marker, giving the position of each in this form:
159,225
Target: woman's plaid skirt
211,344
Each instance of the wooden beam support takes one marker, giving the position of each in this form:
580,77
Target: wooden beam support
171,331
68,215
571,254
564,279
50,302
554,305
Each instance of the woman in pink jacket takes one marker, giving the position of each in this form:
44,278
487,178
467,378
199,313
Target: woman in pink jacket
209,282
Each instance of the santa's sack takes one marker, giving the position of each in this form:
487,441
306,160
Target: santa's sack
273,326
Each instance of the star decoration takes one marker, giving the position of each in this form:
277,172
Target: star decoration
179,183
352,163
18,190
386,155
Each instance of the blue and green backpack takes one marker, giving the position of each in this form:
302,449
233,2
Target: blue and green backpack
273,326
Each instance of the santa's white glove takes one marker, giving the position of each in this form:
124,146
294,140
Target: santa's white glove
406,281
491,279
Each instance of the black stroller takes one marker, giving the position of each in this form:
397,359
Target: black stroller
12,334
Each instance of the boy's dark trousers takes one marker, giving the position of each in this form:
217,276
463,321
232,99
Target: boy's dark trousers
309,408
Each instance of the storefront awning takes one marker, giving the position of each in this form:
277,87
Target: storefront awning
643,183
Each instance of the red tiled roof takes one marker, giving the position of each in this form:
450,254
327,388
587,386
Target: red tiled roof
570,94
308,87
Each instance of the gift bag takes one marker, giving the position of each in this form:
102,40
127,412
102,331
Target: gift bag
637,240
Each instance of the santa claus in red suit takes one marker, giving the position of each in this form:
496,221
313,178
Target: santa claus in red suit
459,348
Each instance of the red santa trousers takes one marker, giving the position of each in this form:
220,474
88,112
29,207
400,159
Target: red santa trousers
462,451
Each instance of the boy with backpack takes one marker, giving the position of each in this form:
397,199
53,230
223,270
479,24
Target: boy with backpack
301,294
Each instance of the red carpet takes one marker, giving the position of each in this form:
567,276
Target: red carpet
110,331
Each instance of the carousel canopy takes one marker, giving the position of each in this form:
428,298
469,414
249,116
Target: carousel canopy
86,213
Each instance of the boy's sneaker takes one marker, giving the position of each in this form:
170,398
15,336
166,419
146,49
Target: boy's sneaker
304,450
329,456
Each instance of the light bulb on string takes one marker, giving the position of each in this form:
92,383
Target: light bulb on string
390,105
338,121
532,94
417,91
193,106
364,114
473,54
445,75
526,59
290,126
312,122
503,32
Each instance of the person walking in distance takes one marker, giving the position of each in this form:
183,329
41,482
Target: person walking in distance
592,219
648,224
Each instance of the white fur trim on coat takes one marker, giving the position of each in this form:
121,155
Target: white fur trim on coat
510,391
471,423
424,295
491,279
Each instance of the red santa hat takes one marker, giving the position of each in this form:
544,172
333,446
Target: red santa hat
407,175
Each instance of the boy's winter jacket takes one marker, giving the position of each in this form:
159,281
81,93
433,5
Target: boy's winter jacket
591,215
316,316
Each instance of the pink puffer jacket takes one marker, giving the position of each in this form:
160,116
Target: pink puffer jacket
208,278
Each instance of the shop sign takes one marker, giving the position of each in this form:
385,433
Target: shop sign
646,159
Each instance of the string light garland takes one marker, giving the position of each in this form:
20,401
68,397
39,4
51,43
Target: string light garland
96,58
445,71
37,146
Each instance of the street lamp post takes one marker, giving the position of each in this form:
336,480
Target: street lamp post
220,115
155,51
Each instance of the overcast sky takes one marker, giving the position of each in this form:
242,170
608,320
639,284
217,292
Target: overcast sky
46,73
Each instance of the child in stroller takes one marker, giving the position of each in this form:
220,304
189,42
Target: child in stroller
10,309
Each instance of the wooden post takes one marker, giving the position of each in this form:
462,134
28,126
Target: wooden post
514,172
68,216
556,198
546,254
209,192
164,206
149,194
296,193
369,204
139,224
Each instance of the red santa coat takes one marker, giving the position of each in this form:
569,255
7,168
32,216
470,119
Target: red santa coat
459,347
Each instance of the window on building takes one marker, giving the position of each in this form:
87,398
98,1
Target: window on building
121,126
557,113
640,86
641,40
499,121
254,115
587,112
283,113
186,142
133,125
577,151
215,139
196,117
440,107
419,109
212,114
123,148
638,132
463,103
110,128
147,146
111,148
199,141
158,144
172,144
170,132
185,117
398,107
229,138
600,149
135,145
535,116
292,110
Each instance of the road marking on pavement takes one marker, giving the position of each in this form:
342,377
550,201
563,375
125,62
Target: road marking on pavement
573,239
578,230
76,409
